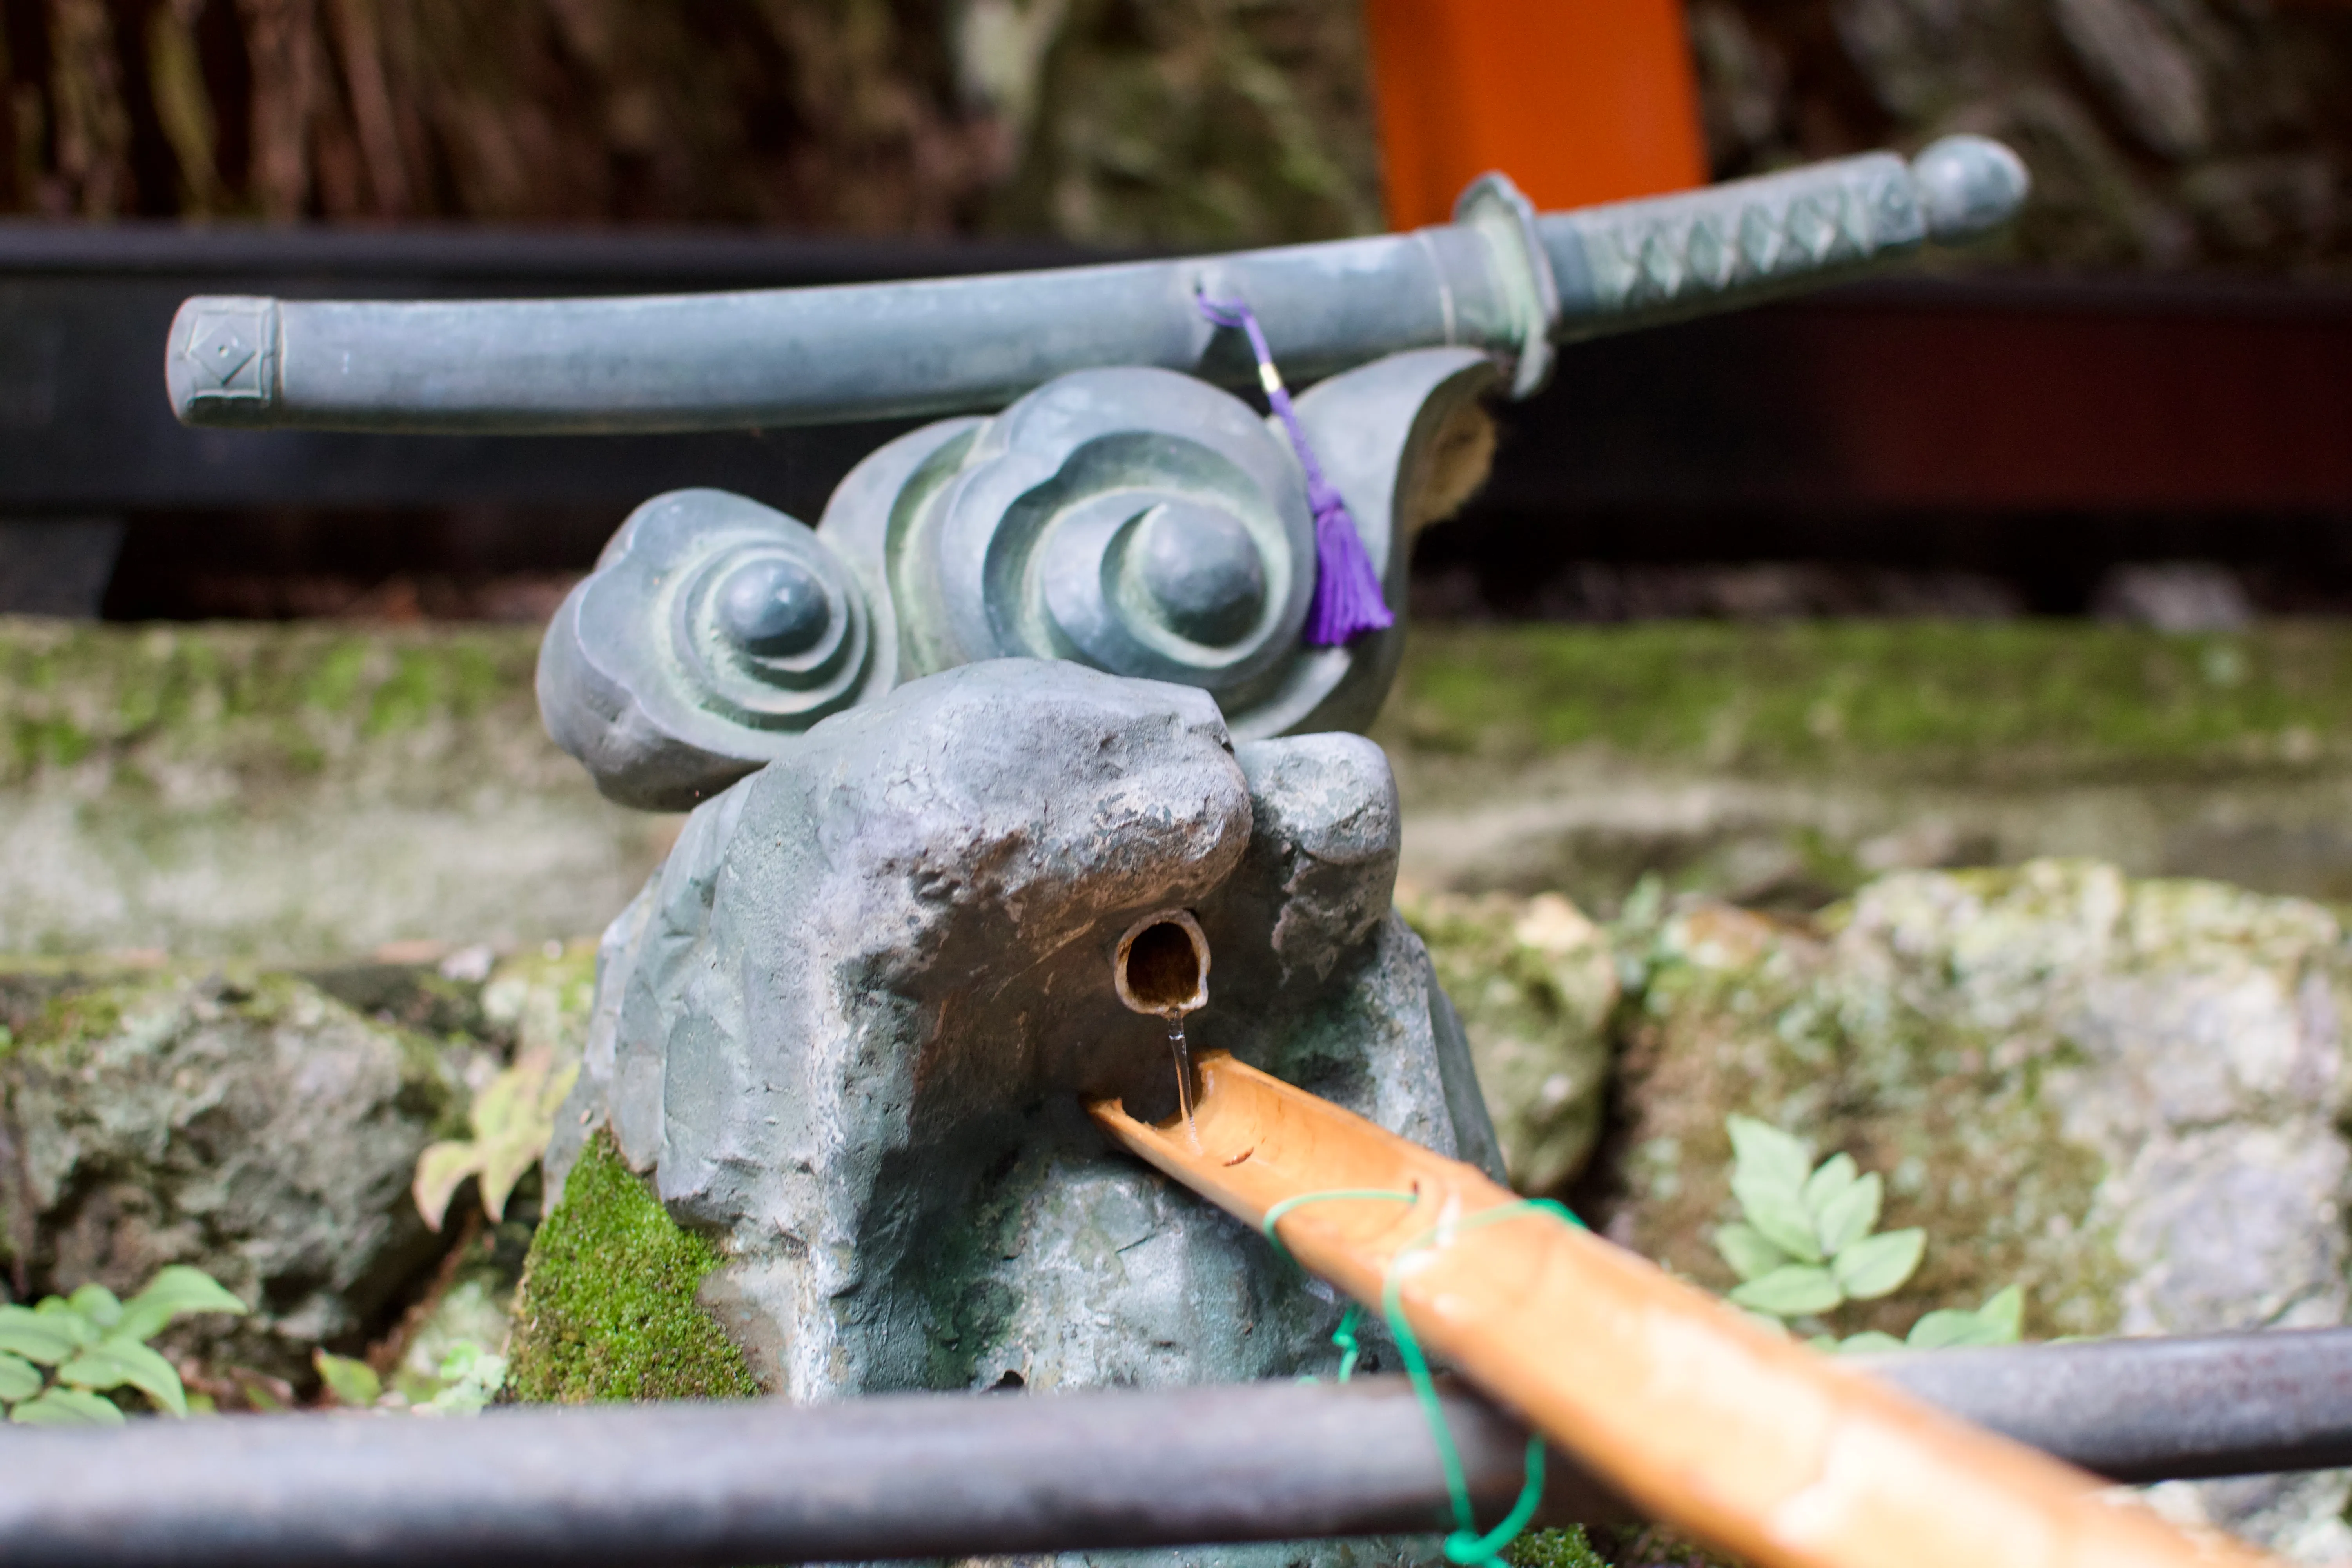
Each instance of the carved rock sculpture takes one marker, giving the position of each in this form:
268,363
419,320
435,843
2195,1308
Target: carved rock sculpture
847,1029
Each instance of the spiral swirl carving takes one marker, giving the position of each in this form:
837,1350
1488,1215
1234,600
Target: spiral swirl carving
1133,519
715,626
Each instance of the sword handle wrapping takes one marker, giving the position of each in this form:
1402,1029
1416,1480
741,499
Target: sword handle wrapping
1632,264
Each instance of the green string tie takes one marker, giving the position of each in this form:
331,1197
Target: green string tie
1465,1546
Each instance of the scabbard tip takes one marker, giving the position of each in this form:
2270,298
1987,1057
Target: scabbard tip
1968,186
221,364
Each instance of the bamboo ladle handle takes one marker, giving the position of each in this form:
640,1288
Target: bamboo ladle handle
1754,1443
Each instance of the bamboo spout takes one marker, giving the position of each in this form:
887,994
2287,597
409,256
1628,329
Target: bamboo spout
1760,1446
1163,965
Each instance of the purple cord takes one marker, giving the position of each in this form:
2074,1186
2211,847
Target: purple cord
1348,600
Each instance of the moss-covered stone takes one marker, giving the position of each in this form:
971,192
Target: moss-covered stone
308,793
1535,982
1991,700
607,1308
292,793
261,703
540,999
2123,1095
1784,766
1742,1013
245,1122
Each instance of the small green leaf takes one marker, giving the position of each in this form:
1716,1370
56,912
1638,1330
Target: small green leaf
176,1291
439,1172
67,1319
43,1337
1954,1327
503,1165
513,1119
1847,1217
19,1379
1767,1153
472,1377
1791,1292
120,1361
1870,1341
67,1407
1878,1265
352,1383
2004,1314
1778,1212
98,1304
1744,1247
1835,1175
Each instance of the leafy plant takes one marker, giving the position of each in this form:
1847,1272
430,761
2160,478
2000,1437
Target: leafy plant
59,1358
1805,1242
350,1382
513,1117
1997,1322
470,1377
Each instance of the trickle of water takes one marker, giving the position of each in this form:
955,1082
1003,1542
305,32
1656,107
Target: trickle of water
1182,1049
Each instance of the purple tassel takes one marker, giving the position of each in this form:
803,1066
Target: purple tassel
1348,601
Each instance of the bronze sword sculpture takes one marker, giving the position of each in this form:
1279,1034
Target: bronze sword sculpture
1501,278
1121,509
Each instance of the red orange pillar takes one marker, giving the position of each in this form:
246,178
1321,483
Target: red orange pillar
1577,100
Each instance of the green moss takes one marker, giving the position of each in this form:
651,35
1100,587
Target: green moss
1632,1546
334,684
1565,1548
608,1307
259,701
2006,697
419,688
1658,1546
71,1022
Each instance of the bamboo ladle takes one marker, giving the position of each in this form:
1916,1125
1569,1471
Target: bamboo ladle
1756,1444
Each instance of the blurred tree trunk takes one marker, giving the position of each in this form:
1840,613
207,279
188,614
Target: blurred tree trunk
2162,133
1179,120
837,115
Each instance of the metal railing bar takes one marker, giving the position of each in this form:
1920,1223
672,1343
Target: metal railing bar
952,1475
